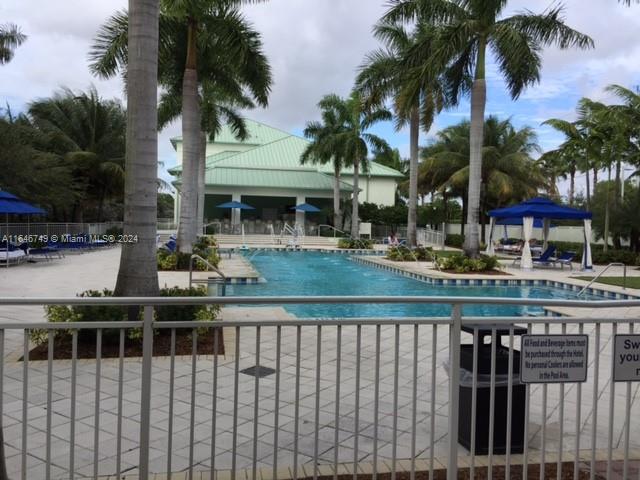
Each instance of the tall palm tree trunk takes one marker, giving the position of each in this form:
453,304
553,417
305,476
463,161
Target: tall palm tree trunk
355,227
595,178
572,185
478,102
138,272
337,214
188,224
606,214
414,138
202,165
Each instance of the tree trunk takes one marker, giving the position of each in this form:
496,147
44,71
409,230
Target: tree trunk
355,227
138,272
337,214
595,178
478,101
572,185
188,224
606,216
414,138
588,191
202,166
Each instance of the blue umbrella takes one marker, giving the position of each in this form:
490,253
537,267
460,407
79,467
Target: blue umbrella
306,207
234,204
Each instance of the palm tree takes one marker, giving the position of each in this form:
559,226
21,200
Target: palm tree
465,30
88,133
351,140
417,94
138,272
509,172
205,39
322,150
10,38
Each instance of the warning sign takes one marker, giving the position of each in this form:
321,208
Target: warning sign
626,358
554,358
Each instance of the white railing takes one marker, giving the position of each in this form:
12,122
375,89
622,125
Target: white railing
430,237
57,229
345,395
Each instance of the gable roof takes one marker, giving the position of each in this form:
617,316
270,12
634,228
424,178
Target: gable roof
259,134
284,153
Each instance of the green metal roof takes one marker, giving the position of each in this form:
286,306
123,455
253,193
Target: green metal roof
259,134
274,163
271,178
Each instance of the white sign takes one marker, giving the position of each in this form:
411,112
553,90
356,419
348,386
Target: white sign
554,358
626,358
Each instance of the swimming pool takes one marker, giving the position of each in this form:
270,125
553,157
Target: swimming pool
325,273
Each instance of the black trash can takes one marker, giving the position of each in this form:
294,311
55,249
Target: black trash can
484,392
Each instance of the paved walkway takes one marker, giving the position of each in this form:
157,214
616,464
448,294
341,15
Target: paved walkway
98,269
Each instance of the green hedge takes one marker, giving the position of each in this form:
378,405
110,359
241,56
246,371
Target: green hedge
598,256
111,313
355,243
463,264
406,254
454,240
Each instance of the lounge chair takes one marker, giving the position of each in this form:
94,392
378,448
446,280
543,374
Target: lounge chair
171,245
565,259
543,259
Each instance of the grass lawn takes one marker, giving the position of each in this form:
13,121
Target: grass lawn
632,282
447,253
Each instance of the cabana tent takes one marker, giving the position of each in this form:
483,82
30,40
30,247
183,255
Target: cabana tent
545,209
10,204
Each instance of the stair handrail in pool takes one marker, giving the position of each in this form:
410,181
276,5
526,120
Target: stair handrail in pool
613,264
207,263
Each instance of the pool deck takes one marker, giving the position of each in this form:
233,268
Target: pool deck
98,270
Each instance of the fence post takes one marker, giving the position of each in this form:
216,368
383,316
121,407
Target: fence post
454,382
145,396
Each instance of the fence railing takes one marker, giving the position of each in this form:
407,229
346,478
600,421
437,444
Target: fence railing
428,236
309,397
57,229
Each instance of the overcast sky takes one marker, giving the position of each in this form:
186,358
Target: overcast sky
315,47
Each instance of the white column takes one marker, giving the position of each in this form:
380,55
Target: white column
300,199
176,208
490,250
527,229
235,213
586,252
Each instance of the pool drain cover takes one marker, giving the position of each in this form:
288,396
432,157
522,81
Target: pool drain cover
258,371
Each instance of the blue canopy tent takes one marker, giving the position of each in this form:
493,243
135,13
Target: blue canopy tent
545,209
10,204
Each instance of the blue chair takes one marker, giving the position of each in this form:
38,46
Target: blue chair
565,259
545,257
171,245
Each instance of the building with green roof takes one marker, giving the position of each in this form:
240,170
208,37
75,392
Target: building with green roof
264,171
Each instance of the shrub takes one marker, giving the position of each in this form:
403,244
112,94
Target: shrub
405,254
454,240
204,247
355,243
621,256
463,264
111,313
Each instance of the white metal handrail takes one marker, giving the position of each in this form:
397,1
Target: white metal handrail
268,336
613,264
335,230
207,264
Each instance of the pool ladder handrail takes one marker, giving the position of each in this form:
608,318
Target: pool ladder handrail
209,266
612,264
319,227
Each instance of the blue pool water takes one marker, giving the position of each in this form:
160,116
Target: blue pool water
318,273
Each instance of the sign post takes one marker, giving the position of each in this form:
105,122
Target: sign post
626,358
554,358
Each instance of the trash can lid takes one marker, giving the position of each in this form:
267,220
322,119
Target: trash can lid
486,329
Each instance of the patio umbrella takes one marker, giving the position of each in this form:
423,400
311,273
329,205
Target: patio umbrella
11,204
306,207
234,204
